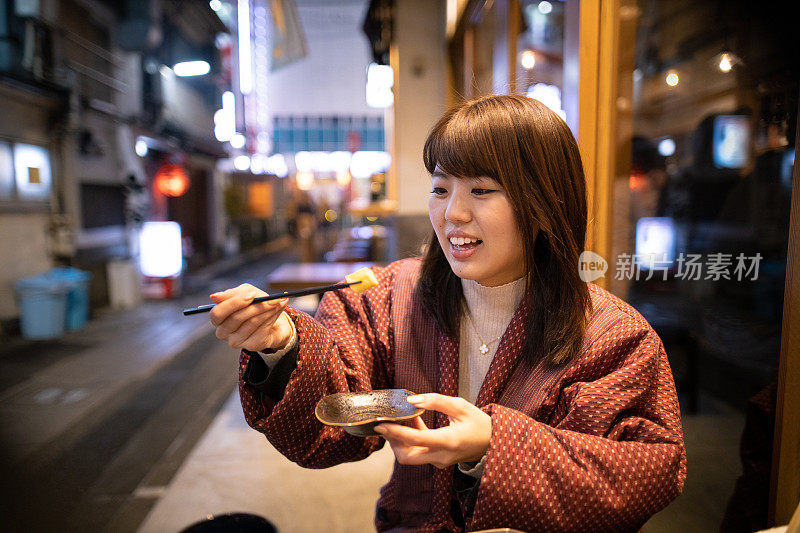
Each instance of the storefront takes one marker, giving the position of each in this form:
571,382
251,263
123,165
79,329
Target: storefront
685,114
29,159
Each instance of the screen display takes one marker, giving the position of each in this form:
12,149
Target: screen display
731,144
655,242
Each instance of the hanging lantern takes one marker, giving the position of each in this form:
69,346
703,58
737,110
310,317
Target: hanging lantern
171,180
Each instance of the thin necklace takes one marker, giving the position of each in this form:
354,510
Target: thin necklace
484,347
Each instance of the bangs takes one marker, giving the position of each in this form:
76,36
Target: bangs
465,145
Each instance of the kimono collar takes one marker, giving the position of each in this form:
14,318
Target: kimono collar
505,360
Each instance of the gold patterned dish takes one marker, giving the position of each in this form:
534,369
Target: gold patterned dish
359,412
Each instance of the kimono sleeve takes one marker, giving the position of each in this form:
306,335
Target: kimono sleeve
346,347
613,457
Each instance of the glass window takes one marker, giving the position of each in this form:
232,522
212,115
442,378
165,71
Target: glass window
5,44
547,51
32,171
25,174
315,139
700,234
6,171
328,134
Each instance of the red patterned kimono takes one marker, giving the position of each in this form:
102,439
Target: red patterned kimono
595,445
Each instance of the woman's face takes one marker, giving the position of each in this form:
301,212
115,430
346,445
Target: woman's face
476,228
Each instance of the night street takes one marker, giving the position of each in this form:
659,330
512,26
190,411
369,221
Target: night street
90,447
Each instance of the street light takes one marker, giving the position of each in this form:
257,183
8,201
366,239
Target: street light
191,68
528,59
672,78
238,140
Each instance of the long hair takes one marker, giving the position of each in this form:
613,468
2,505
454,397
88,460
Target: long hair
531,153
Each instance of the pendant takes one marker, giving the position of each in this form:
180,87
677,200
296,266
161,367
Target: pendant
484,349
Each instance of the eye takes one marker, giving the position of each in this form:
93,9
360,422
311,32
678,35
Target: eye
480,192
438,191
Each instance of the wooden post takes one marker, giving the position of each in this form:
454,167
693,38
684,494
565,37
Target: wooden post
513,37
785,491
596,119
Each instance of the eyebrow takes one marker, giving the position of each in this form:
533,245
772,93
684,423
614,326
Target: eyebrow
438,174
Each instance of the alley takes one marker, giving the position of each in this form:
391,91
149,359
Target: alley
91,418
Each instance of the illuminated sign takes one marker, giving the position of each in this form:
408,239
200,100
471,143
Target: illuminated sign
160,249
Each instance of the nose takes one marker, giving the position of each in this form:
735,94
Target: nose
458,210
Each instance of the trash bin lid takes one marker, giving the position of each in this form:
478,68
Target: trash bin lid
41,283
68,273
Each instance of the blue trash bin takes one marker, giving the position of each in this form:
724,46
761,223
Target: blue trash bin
43,307
77,281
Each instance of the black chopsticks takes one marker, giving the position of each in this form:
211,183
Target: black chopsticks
276,296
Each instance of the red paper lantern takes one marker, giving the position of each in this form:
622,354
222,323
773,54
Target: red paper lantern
171,180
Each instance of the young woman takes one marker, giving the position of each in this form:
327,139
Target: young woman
550,403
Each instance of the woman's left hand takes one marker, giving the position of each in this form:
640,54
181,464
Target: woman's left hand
465,439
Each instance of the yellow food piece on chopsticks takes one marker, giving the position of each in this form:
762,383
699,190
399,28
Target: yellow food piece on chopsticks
365,276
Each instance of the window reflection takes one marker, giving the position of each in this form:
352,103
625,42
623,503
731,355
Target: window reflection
703,229
540,65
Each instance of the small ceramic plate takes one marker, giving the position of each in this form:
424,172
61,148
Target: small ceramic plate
359,412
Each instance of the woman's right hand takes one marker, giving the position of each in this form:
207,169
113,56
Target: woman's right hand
257,327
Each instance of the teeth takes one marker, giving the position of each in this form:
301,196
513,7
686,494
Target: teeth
460,241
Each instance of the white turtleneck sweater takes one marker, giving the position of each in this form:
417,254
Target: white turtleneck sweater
490,311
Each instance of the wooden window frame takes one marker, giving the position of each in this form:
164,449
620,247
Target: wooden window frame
785,489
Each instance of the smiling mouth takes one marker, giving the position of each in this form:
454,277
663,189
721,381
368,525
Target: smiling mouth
462,243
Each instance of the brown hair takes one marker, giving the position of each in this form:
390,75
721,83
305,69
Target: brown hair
531,153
